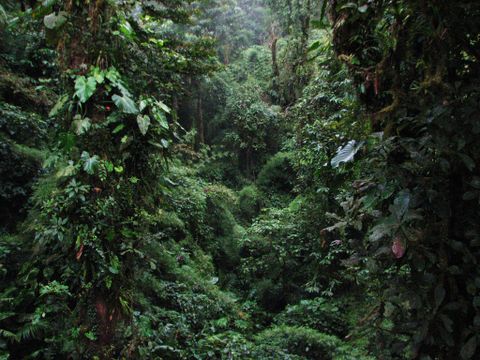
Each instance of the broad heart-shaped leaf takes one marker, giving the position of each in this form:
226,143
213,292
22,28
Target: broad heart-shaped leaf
90,163
85,87
143,122
125,104
81,126
113,75
346,153
98,74
54,21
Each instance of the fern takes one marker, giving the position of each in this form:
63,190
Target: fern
3,16
6,315
9,335
30,330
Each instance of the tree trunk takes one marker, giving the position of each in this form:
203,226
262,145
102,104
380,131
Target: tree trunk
275,69
199,124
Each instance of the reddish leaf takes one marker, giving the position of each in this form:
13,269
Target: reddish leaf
79,253
398,248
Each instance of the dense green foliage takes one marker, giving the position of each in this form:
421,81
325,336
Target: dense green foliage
239,179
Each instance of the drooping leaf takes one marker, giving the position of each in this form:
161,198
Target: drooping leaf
85,88
163,107
161,118
125,104
143,122
120,86
347,153
58,106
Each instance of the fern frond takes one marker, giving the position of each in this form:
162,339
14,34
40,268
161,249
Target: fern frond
30,331
6,315
9,335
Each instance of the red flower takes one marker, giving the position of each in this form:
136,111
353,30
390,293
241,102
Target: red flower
108,108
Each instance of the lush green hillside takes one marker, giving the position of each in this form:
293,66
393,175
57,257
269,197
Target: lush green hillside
239,179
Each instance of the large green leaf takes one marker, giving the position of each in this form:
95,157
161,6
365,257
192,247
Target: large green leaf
113,75
161,118
164,107
85,88
143,122
58,106
98,74
81,126
125,104
90,163
54,20
127,30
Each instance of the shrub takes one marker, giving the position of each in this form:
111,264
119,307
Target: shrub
249,202
318,314
20,131
270,294
277,174
300,341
